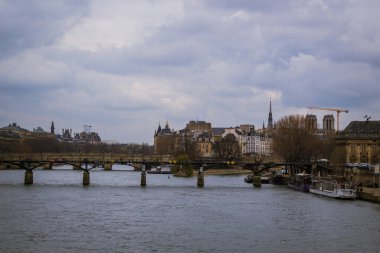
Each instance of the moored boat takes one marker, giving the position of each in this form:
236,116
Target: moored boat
300,182
265,180
279,179
332,189
249,179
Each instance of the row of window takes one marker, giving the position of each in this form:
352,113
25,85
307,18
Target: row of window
363,147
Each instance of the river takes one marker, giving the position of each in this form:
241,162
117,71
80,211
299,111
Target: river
115,214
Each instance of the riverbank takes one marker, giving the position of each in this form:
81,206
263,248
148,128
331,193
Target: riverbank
217,172
226,172
369,194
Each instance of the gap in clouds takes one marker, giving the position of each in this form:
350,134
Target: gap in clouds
124,66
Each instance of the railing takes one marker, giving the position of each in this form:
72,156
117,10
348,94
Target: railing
109,157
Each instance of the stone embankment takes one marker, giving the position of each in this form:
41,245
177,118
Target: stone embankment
370,194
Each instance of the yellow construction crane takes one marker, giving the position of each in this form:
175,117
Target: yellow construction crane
331,109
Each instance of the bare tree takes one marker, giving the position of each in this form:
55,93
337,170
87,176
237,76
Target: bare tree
293,141
228,148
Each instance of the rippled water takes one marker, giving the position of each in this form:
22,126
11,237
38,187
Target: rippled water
114,214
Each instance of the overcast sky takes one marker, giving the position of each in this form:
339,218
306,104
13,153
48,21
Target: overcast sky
124,66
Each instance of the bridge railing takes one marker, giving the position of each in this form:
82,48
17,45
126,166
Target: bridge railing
80,157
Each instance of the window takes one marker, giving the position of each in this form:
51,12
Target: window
364,148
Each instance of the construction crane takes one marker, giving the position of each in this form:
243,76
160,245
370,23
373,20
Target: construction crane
331,109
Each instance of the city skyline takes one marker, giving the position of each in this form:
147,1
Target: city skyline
124,66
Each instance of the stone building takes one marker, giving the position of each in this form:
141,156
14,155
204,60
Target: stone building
203,144
198,125
196,139
311,122
328,124
40,133
87,137
201,138
164,140
252,142
13,132
360,141
67,135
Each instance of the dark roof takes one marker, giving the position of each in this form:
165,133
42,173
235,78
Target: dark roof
40,130
363,127
13,127
218,130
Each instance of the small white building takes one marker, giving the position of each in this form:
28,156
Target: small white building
251,142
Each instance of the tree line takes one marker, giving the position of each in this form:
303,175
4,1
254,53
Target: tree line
51,145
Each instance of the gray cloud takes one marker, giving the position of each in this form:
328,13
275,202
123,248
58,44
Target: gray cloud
124,66
34,23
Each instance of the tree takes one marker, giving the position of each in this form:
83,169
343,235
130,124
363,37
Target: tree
189,148
228,148
293,141
185,170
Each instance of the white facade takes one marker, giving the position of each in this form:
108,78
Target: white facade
252,143
256,144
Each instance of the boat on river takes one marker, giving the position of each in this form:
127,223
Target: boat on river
279,179
160,170
300,182
264,179
332,189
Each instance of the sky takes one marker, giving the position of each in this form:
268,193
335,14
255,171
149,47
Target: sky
124,66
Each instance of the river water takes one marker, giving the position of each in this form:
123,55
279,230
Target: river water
115,214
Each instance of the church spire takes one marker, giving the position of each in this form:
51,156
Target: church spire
270,118
52,127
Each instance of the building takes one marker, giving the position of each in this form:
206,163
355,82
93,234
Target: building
203,144
87,137
311,122
200,139
196,139
360,141
164,140
254,143
217,133
67,135
201,126
40,133
328,124
13,132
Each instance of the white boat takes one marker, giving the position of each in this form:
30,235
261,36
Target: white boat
332,189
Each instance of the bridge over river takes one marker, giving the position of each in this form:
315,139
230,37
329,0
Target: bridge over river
89,161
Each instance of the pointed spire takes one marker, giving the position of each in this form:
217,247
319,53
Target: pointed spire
159,128
52,127
270,118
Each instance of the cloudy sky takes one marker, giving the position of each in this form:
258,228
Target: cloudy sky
124,66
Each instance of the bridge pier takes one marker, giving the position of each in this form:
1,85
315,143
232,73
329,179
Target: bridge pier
201,178
86,178
256,181
107,166
143,176
28,179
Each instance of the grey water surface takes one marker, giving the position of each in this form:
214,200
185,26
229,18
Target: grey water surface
115,214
